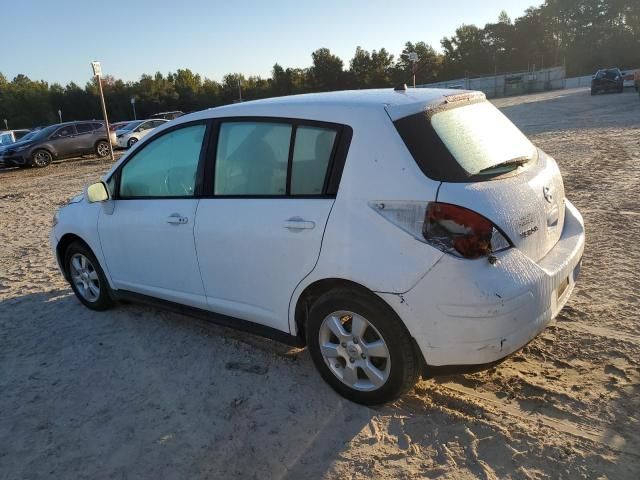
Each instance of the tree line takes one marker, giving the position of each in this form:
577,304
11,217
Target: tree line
583,35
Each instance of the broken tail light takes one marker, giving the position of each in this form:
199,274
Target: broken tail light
453,229
461,231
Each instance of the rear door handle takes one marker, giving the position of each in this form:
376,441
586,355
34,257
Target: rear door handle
297,223
177,219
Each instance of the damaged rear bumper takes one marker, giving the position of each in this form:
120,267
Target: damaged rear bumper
470,312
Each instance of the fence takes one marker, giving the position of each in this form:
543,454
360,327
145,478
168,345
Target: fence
506,84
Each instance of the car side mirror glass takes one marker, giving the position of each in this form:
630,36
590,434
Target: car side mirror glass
97,192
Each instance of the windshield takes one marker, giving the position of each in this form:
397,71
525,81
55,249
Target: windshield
479,136
45,132
130,125
29,136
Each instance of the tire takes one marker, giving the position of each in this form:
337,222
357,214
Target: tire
41,158
102,149
131,142
84,286
397,365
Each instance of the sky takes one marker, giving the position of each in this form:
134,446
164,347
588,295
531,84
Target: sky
56,40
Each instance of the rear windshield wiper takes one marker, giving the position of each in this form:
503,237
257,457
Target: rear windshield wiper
516,162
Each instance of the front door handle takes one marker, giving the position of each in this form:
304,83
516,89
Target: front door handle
177,219
297,223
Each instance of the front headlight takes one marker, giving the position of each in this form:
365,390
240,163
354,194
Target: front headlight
56,218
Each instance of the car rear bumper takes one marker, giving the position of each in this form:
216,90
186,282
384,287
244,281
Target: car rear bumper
470,312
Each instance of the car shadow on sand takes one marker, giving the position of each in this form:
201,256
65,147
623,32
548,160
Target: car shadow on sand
137,391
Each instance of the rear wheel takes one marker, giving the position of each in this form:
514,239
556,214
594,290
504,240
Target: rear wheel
360,347
86,277
41,159
102,148
131,142
593,91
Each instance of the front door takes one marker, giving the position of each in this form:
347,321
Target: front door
147,239
260,233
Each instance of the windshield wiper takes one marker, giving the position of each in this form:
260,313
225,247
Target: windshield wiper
516,162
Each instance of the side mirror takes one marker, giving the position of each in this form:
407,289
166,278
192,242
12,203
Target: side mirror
97,192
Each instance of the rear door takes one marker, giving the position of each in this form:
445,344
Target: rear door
259,232
64,141
85,137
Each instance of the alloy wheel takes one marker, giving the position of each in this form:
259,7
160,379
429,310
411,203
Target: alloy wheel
42,159
103,149
84,277
354,350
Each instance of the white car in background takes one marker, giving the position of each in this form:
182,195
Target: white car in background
136,130
393,232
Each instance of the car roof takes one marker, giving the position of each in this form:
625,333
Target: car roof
398,103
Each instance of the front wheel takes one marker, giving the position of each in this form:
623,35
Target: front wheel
41,159
102,148
360,347
86,277
131,142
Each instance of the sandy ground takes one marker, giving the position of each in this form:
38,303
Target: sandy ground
137,392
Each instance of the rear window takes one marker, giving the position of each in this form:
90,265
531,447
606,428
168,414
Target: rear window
462,143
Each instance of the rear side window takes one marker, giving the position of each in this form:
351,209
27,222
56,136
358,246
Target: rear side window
458,144
311,154
83,128
251,158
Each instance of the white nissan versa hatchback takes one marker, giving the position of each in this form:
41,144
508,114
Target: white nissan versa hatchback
393,232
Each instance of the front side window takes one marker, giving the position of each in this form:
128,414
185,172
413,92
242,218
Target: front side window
311,155
166,166
251,158
64,131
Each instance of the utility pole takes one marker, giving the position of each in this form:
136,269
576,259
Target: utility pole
60,115
97,71
133,104
413,58
239,91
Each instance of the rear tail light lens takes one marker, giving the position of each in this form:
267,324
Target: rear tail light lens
450,228
461,231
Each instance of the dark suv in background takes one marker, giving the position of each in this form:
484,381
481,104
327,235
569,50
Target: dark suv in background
58,141
607,80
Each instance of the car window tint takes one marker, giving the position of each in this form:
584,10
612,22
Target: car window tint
166,166
251,158
20,134
83,128
97,126
311,154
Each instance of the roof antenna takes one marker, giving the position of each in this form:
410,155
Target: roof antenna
401,88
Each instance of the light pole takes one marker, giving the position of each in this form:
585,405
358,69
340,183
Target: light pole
6,124
133,104
60,115
413,58
97,71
